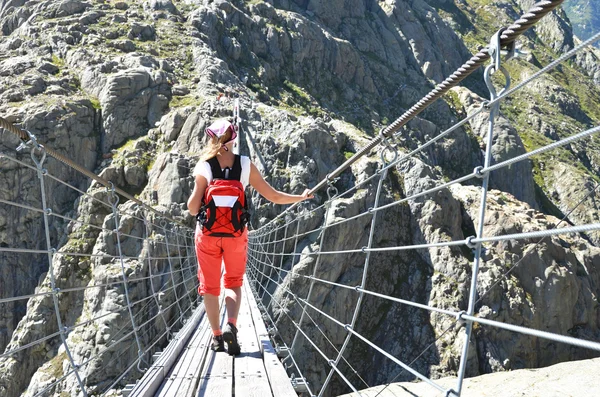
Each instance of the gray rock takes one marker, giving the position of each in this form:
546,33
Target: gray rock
517,178
157,5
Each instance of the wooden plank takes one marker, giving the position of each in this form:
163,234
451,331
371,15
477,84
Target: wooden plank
250,375
278,377
216,379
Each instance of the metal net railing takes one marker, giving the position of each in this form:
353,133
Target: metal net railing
289,260
120,280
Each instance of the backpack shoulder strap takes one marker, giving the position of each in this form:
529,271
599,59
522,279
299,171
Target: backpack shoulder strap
215,167
236,170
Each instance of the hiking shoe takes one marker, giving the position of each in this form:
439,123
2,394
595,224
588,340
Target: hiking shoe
230,336
218,344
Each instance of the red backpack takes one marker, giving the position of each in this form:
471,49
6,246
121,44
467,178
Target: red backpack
224,212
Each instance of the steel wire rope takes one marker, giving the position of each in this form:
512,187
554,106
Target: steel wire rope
383,176
280,261
154,294
168,291
373,293
123,338
331,192
500,279
318,327
548,67
25,136
85,363
28,345
192,258
76,289
24,206
181,264
514,266
65,217
104,256
114,200
477,173
533,332
507,37
329,361
349,329
403,158
170,264
261,244
81,192
470,240
77,325
272,261
39,161
495,66
273,330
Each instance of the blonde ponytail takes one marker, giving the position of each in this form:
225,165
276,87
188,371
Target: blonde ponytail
214,146
211,149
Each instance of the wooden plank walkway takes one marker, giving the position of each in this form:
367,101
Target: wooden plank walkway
200,372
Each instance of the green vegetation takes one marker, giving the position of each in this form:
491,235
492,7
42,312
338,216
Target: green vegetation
96,103
58,62
56,365
187,100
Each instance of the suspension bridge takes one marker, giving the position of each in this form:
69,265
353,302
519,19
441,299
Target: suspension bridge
160,343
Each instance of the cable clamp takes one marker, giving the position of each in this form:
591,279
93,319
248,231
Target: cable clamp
113,198
56,290
332,191
363,250
32,142
357,288
469,242
459,316
48,211
282,351
348,327
388,146
494,49
478,172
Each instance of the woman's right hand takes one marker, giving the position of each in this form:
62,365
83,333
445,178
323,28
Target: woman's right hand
306,195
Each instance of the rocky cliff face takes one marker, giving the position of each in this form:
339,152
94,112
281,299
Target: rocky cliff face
127,88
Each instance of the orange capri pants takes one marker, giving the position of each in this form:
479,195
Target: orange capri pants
211,252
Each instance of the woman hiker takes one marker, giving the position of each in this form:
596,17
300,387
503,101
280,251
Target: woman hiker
219,203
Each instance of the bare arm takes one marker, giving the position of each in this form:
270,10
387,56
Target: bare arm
195,201
271,194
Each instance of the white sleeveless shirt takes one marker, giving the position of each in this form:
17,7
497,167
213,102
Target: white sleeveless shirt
203,169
